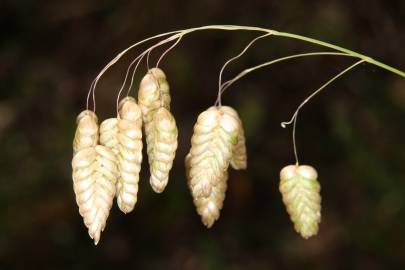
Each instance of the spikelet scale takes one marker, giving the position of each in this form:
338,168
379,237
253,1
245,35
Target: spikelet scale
86,132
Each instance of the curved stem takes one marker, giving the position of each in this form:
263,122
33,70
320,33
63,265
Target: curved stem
295,115
242,28
243,73
231,60
338,48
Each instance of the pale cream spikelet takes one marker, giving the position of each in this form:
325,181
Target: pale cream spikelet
129,153
239,157
300,190
86,132
209,207
212,145
108,134
153,93
95,174
162,148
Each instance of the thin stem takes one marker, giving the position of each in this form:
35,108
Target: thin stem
231,60
295,115
175,34
338,48
243,73
168,50
115,60
137,60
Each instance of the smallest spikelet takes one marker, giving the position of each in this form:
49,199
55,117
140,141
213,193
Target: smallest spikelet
300,191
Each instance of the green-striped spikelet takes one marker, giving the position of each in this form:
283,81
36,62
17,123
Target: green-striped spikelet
212,145
239,156
300,190
87,131
95,174
162,148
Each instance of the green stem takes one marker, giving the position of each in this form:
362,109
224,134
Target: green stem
338,48
295,115
302,38
243,73
176,34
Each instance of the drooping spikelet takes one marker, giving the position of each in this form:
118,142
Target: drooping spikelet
87,131
209,207
153,93
94,178
129,153
212,146
123,136
162,148
300,191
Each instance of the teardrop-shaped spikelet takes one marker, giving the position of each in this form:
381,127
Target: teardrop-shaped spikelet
209,207
162,148
86,132
239,157
300,190
212,146
94,178
129,153
153,94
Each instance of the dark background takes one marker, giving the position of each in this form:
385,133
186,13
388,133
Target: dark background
352,133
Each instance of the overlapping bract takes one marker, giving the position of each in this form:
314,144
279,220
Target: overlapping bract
301,195
154,92
209,207
160,126
108,134
86,132
213,144
94,175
